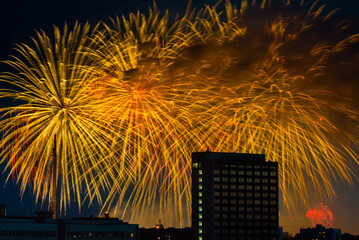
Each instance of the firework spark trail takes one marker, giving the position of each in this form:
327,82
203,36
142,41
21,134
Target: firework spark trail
240,80
52,99
321,214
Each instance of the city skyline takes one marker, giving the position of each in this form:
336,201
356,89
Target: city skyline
341,204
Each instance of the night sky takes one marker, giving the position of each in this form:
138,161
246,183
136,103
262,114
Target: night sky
19,20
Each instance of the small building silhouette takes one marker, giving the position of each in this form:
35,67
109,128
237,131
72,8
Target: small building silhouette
320,233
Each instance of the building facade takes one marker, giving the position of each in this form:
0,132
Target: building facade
320,233
45,228
234,196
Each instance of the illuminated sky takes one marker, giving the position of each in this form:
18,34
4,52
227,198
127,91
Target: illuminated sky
18,20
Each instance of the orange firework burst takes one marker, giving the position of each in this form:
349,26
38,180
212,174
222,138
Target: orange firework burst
145,92
321,214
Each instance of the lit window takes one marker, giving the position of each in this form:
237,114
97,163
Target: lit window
200,186
200,216
195,165
200,201
200,209
200,223
200,172
200,179
200,194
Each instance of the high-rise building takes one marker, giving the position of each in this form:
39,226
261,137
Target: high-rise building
234,196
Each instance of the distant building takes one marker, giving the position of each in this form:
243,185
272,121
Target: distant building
320,233
234,196
45,228
159,232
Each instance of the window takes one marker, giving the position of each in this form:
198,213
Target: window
249,173
200,194
240,179
217,179
216,171
240,172
200,186
241,187
249,187
233,172
200,172
217,186
225,179
233,179
233,187
273,188
265,173
200,179
272,181
257,202
257,188
257,180
265,180
225,172
273,174
249,180
195,165
257,173
225,186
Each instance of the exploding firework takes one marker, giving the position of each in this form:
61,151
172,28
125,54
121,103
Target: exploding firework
53,110
254,79
321,214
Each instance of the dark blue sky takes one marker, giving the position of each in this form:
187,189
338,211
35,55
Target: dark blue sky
19,20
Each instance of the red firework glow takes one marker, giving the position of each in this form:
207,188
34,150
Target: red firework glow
321,214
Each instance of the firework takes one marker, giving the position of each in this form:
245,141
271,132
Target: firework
321,214
53,115
239,80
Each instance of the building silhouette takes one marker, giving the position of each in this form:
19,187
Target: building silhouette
44,227
159,232
234,196
320,233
